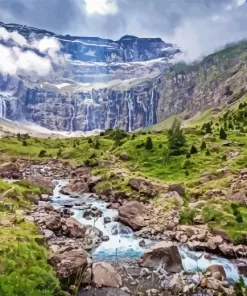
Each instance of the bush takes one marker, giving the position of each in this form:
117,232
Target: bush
103,186
42,153
203,145
149,144
59,153
187,216
193,150
24,143
223,134
188,155
90,141
207,153
209,214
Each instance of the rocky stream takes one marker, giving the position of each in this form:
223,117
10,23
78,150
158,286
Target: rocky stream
117,249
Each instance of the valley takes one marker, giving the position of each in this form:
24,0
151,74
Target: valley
158,216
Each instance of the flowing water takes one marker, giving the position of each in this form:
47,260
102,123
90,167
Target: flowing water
123,244
3,108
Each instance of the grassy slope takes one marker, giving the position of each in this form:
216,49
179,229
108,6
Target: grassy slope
148,163
23,262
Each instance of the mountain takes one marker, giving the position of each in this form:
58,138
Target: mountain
131,83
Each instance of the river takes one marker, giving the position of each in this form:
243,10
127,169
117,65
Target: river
124,245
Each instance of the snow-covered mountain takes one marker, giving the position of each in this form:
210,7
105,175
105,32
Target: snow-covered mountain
80,83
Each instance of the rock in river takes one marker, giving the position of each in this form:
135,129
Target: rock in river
163,254
105,275
131,214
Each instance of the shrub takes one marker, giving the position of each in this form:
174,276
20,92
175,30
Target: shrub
203,145
59,153
149,144
193,149
187,216
207,153
24,143
188,155
223,134
90,141
42,153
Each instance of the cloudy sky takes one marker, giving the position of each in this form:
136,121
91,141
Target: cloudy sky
197,26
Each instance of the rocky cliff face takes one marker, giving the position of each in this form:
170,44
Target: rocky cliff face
124,94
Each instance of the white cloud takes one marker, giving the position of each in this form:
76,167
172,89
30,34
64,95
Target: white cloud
228,7
215,18
102,7
15,60
240,2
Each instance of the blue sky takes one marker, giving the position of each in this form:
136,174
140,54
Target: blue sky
197,26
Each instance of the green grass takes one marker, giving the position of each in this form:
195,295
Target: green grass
24,270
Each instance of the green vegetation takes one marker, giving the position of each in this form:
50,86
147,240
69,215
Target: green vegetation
24,269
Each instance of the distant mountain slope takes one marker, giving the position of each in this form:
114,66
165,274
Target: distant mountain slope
98,92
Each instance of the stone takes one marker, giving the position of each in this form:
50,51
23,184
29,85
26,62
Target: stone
221,232
142,243
53,222
217,268
124,156
105,275
75,187
107,220
69,263
143,186
178,188
131,214
48,234
44,197
75,228
175,285
174,197
214,242
163,254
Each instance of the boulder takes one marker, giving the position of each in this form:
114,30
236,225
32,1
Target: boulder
69,263
214,242
220,232
131,214
53,222
178,188
48,234
75,187
163,254
75,228
143,186
216,268
107,220
44,197
104,275
174,197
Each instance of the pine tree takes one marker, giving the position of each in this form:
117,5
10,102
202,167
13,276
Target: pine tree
176,138
207,153
230,126
223,134
203,145
193,149
208,128
149,144
24,143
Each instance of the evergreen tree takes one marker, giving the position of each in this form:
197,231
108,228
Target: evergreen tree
97,143
59,153
176,138
207,153
193,149
149,144
230,126
223,134
90,141
24,143
42,153
188,155
187,173
208,128
203,145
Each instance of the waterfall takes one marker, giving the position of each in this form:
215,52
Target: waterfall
3,108
87,117
72,116
130,108
151,115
